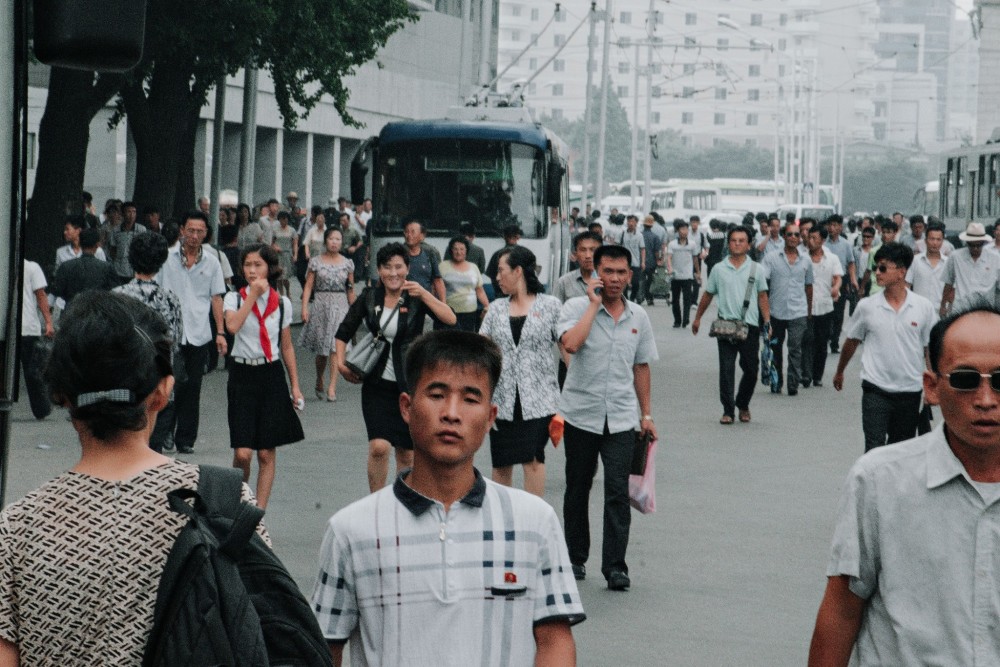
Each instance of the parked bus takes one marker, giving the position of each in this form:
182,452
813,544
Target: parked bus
968,184
493,167
682,199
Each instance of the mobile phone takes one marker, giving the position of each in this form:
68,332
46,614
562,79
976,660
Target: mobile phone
598,290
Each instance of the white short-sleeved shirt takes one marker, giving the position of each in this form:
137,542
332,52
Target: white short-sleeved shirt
971,277
247,341
824,272
919,543
401,577
893,354
927,280
34,280
227,268
195,288
66,253
682,258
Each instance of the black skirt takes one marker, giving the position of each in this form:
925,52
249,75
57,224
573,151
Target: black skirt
383,420
261,413
519,440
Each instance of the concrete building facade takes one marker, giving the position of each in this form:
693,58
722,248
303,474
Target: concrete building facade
424,68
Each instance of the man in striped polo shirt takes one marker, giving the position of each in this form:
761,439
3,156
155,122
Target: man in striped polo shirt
447,567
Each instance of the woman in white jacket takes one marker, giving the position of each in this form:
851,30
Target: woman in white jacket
524,326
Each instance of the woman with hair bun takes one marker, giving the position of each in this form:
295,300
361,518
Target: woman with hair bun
261,413
524,325
81,556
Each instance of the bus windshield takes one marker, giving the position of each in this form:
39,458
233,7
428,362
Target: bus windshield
492,184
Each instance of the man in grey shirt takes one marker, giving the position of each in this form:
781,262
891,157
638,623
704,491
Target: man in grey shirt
912,576
607,389
790,279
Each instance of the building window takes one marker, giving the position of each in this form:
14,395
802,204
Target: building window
625,18
515,10
720,119
532,64
689,68
558,65
757,19
622,91
559,40
655,68
690,42
781,70
690,19
654,118
720,69
557,114
754,70
515,35
688,92
720,93
783,19
723,44
534,16
623,67
753,95
752,119
687,118
659,18
561,16
656,92
782,44
557,90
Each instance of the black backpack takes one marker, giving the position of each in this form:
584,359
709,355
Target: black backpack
224,597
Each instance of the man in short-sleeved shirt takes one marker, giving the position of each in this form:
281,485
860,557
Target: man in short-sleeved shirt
912,569
607,389
828,280
894,326
969,270
730,281
121,237
423,264
195,277
790,279
632,241
682,258
469,564
653,236
34,302
926,274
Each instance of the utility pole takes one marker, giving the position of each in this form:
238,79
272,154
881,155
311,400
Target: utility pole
463,42
602,129
248,142
591,43
647,194
485,39
635,130
218,143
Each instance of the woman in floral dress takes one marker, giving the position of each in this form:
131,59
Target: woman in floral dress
331,277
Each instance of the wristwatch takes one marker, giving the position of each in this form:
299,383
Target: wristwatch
647,418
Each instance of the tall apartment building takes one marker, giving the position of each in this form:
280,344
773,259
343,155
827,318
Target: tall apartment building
425,68
721,71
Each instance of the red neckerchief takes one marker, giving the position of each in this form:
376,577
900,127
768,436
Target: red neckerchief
272,305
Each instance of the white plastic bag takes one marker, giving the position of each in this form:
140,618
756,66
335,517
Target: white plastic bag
642,488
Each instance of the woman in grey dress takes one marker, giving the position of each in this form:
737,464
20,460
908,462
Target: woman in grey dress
331,277
285,243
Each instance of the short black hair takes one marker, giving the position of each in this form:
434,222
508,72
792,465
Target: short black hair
89,238
194,215
108,341
453,347
149,210
821,230
467,229
284,214
410,221
228,234
917,219
977,302
612,252
889,226
518,256
835,218
147,253
510,231
76,220
585,236
171,232
272,200
390,250
935,227
740,229
694,218
678,224
899,254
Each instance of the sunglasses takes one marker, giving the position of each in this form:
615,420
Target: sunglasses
882,268
969,380
792,234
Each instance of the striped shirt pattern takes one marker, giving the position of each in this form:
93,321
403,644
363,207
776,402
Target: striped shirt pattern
404,580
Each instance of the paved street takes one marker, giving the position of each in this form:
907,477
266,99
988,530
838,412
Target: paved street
729,571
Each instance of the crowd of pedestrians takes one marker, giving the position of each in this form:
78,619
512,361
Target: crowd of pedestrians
508,360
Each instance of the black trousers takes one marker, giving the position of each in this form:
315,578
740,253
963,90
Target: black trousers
837,323
648,275
680,295
34,381
582,450
888,417
747,351
187,395
635,287
814,348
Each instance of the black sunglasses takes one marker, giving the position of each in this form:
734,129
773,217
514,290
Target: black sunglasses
968,379
882,268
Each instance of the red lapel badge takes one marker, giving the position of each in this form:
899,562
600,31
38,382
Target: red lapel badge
509,578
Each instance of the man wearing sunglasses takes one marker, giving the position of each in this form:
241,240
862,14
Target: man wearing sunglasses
912,572
790,293
894,324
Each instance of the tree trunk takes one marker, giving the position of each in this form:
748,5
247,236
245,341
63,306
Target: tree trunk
159,122
184,199
74,98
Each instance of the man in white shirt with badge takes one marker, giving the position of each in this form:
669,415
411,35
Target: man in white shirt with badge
926,274
828,276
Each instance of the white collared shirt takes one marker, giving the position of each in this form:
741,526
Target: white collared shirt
927,280
195,288
971,277
246,343
823,273
893,354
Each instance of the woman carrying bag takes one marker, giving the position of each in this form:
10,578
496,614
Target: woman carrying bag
261,414
395,309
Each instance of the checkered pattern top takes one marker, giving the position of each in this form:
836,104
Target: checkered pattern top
402,578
